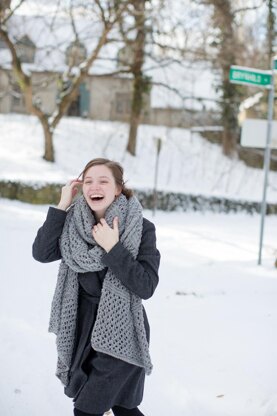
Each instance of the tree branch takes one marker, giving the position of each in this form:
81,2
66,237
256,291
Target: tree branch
12,12
102,12
184,97
246,9
23,80
84,69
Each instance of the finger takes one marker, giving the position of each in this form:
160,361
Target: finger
95,232
75,191
103,221
74,182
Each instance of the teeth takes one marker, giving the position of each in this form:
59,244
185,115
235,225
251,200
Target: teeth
96,196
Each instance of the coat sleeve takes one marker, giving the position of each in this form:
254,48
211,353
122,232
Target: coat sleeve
46,245
139,275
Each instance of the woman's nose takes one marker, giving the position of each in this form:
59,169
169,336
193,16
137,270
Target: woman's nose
94,186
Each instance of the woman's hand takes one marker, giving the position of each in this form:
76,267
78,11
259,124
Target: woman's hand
106,236
69,191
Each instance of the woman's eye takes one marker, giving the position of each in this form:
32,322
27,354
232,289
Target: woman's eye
87,182
104,182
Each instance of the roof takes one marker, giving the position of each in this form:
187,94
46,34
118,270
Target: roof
26,41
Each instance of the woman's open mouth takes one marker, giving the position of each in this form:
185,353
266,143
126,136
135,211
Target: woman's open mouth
96,197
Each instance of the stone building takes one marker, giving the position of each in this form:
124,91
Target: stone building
101,97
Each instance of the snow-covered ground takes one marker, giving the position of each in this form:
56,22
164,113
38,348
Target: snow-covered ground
214,315
188,163
213,318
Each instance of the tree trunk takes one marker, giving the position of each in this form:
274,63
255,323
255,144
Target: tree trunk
271,33
224,19
131,148
25,82
227,58
137,104
229,115
139,83
48,147
48,140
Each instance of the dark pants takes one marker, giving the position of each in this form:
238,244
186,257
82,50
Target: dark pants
117,411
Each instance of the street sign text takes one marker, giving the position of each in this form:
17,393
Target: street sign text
244,75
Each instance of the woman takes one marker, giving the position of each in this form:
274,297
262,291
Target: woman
109,263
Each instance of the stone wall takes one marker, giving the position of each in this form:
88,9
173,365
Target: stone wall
166,201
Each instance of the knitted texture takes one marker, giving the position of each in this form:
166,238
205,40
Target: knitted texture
119,327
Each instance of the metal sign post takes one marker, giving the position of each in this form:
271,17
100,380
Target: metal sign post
155,194
267,158
263,79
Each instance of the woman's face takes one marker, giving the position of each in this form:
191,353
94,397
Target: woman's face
99,189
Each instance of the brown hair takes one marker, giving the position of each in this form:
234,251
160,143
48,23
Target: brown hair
115,168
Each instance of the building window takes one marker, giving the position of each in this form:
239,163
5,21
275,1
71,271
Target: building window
125,56
26,50
75,54
123,103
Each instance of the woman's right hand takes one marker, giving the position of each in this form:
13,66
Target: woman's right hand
69,191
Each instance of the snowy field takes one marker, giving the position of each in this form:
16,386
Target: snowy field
188,163
213,318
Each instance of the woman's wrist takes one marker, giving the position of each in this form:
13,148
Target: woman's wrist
62,206
108,247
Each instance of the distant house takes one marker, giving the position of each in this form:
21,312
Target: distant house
105,98
101,97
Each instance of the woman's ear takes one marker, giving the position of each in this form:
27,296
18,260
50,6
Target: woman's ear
118,191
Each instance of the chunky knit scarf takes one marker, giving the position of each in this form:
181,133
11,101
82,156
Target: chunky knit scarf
119,327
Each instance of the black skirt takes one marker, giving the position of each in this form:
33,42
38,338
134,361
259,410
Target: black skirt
99,381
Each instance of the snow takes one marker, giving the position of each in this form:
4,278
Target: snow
187,162
251,101
213,318
214,314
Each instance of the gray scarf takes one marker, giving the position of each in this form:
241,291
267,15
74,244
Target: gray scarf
119,327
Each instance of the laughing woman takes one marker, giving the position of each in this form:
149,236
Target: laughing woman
109,263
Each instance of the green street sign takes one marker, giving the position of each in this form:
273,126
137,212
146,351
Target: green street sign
250,76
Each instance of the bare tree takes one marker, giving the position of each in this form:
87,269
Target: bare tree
139,80
108,16
157,35
167,38
225,42
233,41
271,29
156,39
133,32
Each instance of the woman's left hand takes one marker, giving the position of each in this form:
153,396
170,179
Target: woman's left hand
106,236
